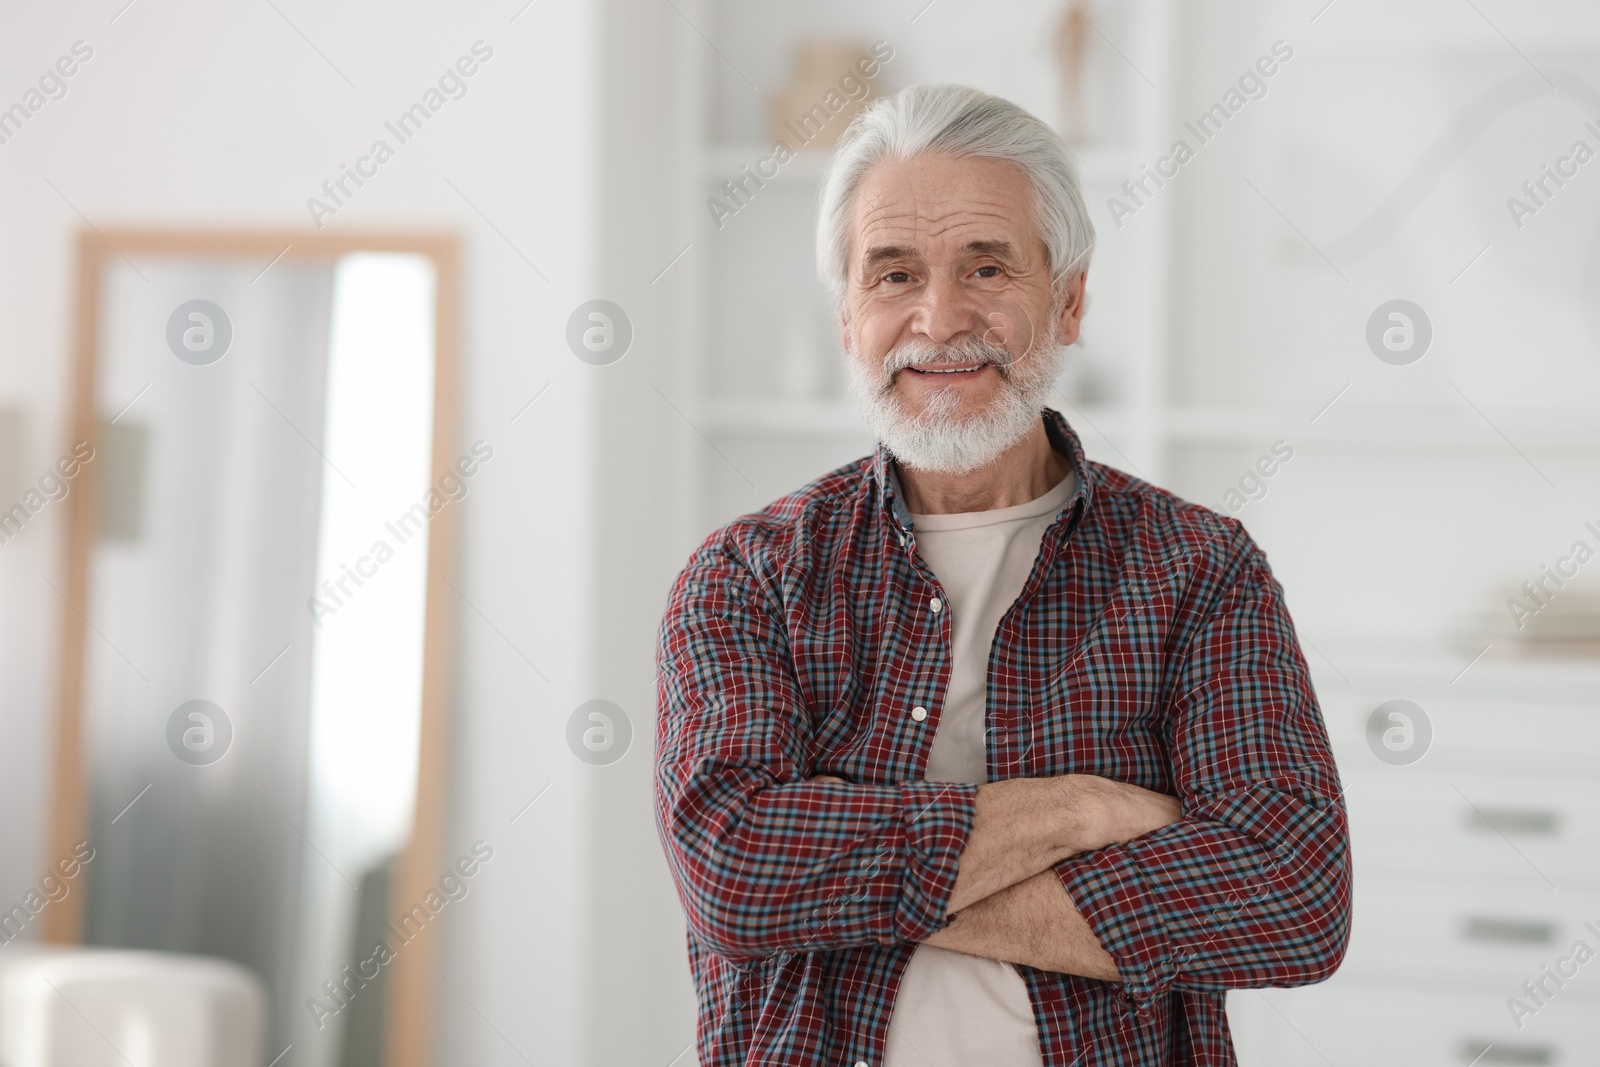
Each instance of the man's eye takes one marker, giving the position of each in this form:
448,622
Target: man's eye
896,276
990,267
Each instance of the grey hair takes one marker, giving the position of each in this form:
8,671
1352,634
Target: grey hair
959,121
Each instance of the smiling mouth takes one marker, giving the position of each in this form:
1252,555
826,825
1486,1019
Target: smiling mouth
948,368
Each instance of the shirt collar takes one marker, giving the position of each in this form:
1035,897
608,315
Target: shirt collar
1063,439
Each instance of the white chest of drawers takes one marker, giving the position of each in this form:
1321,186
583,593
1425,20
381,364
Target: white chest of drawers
1476,875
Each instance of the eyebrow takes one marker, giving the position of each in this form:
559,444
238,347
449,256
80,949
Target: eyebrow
883,253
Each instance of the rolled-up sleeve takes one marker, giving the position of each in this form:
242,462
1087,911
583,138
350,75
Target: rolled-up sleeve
1251,887
766,861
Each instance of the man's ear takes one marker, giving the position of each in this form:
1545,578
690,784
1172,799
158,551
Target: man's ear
844,334
1071,316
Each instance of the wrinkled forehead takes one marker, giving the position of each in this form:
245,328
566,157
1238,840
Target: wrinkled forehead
939,207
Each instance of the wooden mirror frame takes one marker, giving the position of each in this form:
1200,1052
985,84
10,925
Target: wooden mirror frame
408,1013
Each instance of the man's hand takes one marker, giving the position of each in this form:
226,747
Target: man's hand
1109,812
1011,913
1033,922
1027,825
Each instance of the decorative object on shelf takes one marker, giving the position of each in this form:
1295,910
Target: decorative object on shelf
1554,614
1071,47
1097,84
832,83
1566,624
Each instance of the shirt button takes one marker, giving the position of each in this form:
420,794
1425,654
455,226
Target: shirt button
936,604
902,539
861,1063
919,713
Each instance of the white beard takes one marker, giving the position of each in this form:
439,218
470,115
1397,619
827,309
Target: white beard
946,438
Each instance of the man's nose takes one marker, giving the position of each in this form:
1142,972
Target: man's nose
947,309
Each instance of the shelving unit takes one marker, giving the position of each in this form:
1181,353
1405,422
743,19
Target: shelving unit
1413,426
763,377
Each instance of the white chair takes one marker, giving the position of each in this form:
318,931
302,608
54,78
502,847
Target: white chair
89,1007
15,952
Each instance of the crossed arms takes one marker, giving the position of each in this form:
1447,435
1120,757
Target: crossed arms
1075,874
1010,905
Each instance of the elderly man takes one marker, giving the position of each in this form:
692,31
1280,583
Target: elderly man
974,751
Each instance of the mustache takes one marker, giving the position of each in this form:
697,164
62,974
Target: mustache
922,353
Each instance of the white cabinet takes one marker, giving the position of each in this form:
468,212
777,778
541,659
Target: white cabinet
1414,1027
1476,870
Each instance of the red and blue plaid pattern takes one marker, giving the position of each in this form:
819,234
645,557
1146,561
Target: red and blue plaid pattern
1150,644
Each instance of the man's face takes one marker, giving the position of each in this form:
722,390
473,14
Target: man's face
952,336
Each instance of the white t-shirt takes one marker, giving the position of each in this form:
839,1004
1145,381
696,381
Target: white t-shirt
951,1009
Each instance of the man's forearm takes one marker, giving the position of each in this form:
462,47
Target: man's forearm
1027,825
1023,826
1033,922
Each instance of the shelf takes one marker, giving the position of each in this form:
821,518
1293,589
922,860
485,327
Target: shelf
1107,422
1418,36
1403,425
725,162
1098,165
839,417
1414,425
1102,165
815,417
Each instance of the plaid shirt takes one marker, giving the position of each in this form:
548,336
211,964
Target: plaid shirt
1150,644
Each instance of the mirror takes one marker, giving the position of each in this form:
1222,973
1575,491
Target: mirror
251,721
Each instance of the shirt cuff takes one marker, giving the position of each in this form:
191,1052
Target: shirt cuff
1109,893
937,820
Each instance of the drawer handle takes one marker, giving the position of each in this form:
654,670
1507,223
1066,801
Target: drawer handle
1528,822
1508,931
1488,1053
